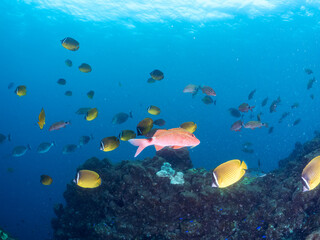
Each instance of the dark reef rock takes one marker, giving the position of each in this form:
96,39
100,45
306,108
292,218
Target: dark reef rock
134,203
178,158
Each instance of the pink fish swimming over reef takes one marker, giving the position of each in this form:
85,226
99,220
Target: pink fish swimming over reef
174,138
58,125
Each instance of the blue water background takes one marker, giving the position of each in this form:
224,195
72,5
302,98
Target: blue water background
234,56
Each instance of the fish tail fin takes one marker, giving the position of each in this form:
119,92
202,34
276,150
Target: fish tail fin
9,137
29,147
54,143
130,114
141,143
243,165
252,107
266,124
196,91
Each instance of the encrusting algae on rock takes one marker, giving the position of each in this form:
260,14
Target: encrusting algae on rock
134,203
167,171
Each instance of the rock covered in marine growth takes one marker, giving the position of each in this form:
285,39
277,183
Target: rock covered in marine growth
134,203
4,235
167,171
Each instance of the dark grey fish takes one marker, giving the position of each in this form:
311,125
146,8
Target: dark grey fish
296,122
274,105
82,111
61,81
246,150
207,100
295,105
308,71
151,80
310,83
121,117
259,116
20,150
283,116
3,138
247,144
270,130
251,94
157,74
234,112
10,86
83,140
264,102
69,148
159,122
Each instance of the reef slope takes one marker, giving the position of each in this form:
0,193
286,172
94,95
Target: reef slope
134,203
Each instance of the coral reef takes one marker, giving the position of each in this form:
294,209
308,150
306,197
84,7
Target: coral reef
167,171
134,203
4,235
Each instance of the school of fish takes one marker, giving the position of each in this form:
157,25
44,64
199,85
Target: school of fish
224,175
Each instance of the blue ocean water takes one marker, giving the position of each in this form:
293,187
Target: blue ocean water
236,48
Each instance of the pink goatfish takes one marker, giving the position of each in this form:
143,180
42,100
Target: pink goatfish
174,138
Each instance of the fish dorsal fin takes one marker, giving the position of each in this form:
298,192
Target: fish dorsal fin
244,165
159,132
158,147
177,129
231,163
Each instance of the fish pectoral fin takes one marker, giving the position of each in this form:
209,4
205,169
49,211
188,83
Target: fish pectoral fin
158,147
176,147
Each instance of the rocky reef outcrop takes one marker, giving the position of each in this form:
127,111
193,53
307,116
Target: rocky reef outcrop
5,235
134,203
